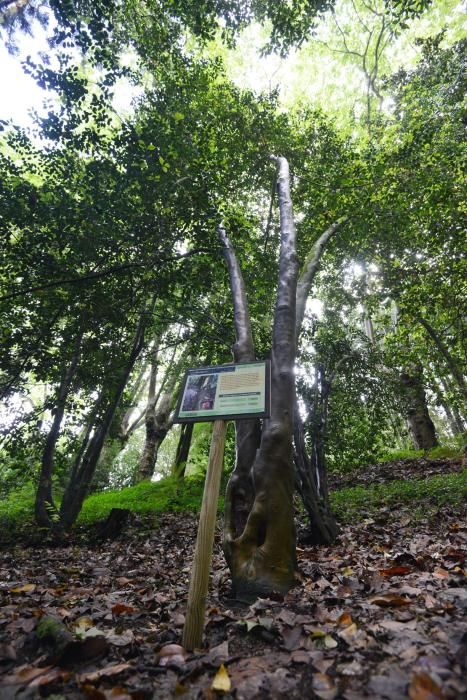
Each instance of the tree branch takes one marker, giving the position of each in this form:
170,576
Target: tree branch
98,274
310,269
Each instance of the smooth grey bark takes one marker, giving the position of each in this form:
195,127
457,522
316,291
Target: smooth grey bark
158,416
84,467
262,559
443,350
421,426
240,489
44,503
311,474
310,268
442,400
458,419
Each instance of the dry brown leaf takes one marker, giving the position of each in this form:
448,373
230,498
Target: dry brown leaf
24,675
344,620
423,687
389,600
395,571
107,672
440,573
122,609
171,654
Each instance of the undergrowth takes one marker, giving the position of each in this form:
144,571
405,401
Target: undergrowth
169,495
350,504
146,497
440,452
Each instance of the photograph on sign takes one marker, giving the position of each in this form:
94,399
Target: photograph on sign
225,391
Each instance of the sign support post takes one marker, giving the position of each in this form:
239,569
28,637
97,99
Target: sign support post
199,582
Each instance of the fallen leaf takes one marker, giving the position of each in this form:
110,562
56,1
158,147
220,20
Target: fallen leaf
423,687
440,573
24,675
221,682
351,669
7,652
321,681
107,672
26,588
344,620
395,571
348,633
171,654
292,637
121,609
121,639
301,656
389,600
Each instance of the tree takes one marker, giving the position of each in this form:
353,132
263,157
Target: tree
261,551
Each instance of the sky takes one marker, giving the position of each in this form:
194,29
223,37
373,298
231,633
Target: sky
320,78
18,91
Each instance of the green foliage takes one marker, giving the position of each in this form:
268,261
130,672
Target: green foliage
352,504
159,497
436,453
17,508
106,215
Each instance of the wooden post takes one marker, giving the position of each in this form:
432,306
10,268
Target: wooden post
194,621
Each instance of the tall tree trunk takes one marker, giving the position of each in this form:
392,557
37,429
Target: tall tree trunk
158,415
311,473
183,451
450,361
83,469
44,504
443,402
460,423
310,268
262,559
158,423
418,418
240,490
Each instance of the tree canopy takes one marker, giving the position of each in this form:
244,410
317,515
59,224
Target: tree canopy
113,277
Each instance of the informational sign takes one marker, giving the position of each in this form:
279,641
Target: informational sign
225,391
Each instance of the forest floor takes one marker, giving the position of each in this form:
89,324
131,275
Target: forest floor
379,614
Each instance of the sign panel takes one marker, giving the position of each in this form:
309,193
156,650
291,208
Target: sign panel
225,391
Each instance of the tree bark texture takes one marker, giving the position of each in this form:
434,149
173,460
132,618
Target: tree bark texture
44,504
311,472
443,350
84,467
158,423
183,451
240,489
459,420
158,416
418,418
310,269
262,558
